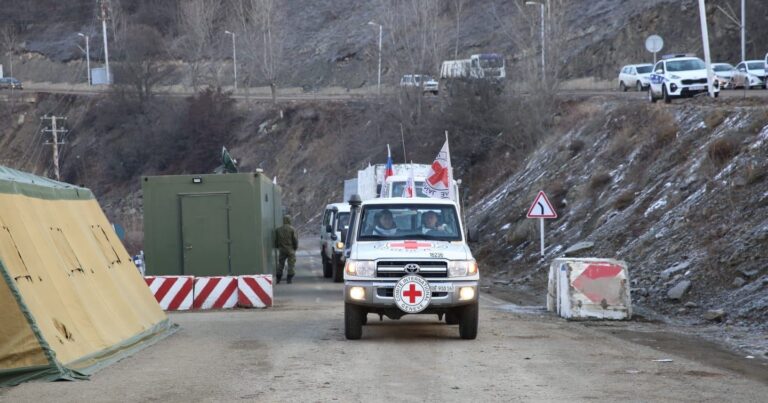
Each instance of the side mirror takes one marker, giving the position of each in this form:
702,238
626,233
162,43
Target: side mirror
472,235
328,228
659,71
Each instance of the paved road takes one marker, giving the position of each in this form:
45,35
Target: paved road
297,352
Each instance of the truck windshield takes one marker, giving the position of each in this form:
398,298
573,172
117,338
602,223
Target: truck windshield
399,187
437,222
491,62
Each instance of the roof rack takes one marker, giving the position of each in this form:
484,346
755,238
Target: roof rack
673,55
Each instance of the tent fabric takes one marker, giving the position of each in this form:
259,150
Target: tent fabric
72,299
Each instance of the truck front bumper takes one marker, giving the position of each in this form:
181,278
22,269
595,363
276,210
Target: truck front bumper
379,294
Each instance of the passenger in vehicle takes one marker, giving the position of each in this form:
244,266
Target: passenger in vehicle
385,225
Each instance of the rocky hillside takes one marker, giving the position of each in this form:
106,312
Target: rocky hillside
679,192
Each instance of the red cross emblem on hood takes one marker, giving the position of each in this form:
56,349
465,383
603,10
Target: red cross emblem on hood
410,245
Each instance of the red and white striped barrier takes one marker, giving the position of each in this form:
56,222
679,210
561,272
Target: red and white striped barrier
173,293
589,288
254,291
215,292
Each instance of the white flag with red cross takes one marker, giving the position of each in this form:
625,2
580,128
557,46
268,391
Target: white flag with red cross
437,184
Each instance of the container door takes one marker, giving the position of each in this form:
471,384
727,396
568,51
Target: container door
205,234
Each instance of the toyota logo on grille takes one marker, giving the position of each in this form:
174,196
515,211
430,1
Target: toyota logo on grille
412,268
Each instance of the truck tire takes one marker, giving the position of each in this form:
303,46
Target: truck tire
353,321
338,269
451,318
327,269
650,96
468,322
665,95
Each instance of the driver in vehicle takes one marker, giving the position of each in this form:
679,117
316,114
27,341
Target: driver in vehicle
429,222
385,224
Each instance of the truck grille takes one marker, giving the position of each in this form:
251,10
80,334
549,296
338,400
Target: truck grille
699,81
396,269
390,293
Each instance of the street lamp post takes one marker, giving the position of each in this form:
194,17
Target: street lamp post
378,85
234,55
543,57
87,56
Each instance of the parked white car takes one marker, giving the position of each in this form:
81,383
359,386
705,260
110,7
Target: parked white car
427,83
637,76
750,74
679,76
724,73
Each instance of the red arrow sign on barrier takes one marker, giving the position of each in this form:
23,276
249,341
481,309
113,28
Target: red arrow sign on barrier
597,283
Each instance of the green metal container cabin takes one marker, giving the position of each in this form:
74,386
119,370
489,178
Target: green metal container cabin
210,225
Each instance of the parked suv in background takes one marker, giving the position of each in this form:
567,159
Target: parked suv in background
679,76
637,76
749,74
427,83
335,223
10,83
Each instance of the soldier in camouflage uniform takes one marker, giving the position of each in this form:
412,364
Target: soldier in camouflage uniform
286,242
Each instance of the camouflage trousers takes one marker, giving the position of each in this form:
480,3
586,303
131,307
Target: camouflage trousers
291,258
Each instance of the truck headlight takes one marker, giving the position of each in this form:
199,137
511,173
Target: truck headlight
339,245
360,268
462,268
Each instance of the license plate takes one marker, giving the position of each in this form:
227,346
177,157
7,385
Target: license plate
441,287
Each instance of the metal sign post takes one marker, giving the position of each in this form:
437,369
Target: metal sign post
541,209
654,44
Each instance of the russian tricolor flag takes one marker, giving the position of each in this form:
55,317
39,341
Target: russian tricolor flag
389,171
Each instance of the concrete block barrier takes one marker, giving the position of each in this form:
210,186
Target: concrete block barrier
255,291
215,292
173,293
581,288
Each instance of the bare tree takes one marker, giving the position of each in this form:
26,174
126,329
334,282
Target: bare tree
414,35
140,61
458,7
197,18
258,21
9,41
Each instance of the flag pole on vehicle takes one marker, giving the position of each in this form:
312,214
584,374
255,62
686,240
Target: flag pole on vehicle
388,171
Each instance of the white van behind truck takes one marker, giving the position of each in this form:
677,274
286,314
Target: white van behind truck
335,222
409,256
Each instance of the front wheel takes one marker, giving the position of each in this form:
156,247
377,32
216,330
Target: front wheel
650,96
665,95
327,269
639,86
468,318
338,269
353,321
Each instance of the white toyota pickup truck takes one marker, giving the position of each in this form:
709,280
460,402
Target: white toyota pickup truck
409,256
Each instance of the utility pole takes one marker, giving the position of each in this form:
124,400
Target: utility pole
104,17
56,142
743,32
234,55
378,84
87,56
705,45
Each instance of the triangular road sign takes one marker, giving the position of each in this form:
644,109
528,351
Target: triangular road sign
541,207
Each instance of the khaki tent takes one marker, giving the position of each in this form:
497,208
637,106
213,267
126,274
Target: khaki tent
72,300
